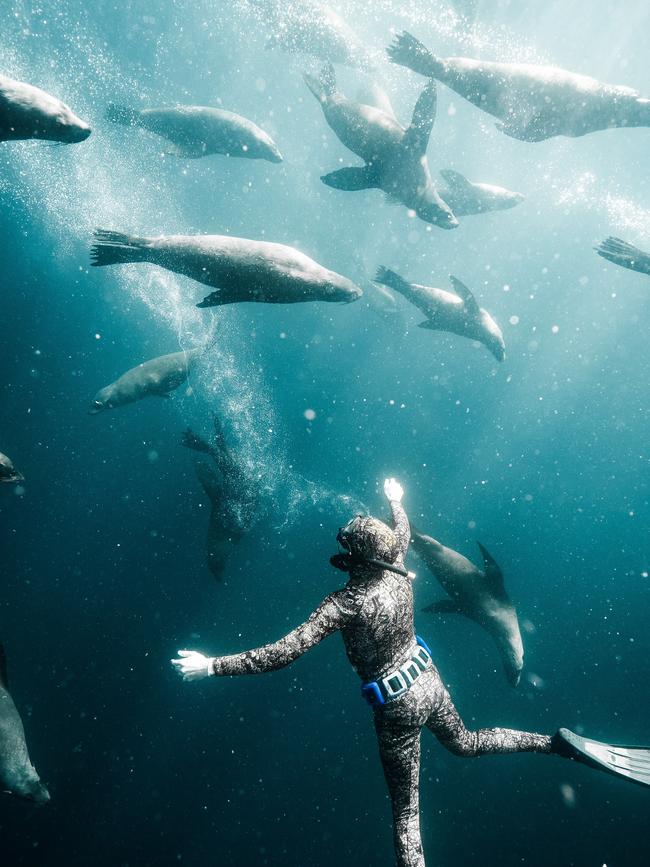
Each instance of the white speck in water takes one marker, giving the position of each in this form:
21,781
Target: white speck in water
514,320
568,795
310,414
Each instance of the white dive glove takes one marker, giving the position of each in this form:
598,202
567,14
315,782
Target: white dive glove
393,490
193,665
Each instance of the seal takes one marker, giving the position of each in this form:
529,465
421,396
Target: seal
8,472
395,157
17,774
466,198
625,255
532,102
303,27
27,112
233,497
445,311
198,131
154,378
478,594
239,269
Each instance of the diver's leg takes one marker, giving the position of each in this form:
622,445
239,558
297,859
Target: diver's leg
399,748
448,727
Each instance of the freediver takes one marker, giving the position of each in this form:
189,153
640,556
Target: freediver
374,612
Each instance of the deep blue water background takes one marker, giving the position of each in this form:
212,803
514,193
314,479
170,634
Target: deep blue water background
543,458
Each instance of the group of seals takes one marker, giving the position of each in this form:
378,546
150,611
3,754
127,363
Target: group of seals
532,102
17,774
27,112
395,157
239,269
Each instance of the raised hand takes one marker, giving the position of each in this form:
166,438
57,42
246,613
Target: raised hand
193,665
393,490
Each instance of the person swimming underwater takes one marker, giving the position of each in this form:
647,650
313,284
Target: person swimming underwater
374,613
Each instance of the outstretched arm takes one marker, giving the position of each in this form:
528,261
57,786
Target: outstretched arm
332,614
394,493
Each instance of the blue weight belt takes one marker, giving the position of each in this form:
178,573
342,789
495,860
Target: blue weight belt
397,682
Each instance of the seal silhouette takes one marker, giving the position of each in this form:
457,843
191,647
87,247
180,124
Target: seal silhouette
303,27
395,157
532,102
8,472
27,112
478,594
239,269
154,378
445,311
466,198
17,774
197,131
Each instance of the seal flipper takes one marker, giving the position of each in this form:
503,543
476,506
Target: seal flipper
444,606
493,572
393,280
325,85
456,182
416,137
351,178
471,305
4,679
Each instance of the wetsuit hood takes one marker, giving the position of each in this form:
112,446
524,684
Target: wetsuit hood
367,542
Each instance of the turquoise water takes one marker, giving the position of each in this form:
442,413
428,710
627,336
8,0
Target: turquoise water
543,458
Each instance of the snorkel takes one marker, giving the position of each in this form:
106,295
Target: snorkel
346,560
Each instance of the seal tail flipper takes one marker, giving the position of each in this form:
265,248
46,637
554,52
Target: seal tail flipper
626,255
112,248
443,606
325,85
393,280
406,50
193,441
121,114
351,179
632,763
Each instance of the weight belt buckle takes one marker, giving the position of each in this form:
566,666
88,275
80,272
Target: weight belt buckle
395,684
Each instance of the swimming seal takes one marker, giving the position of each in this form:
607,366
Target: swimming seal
233,497
154,378
466,198
239,269
532,102
8,472
17,774
27,112
477,594
198,131
445,311
303,27
395,157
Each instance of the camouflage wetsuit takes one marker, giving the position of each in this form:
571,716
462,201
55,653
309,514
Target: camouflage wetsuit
374,613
